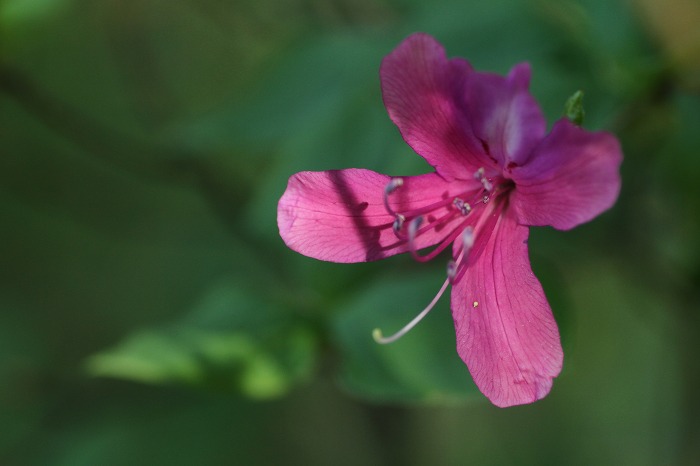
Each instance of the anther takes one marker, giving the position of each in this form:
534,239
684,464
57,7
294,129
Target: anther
393,185
413,227
485,200
398,223
451,270
468,238
463,207
480,175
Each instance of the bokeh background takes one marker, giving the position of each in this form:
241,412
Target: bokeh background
150,314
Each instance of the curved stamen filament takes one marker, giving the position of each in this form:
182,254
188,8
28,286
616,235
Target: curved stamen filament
377,333
429,208
392,186
409,225
413,228
456,267
474,248
439,248
435,223
419,228
452,268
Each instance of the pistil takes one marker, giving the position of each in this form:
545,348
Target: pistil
377,333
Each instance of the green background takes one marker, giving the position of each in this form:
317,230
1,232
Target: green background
150,313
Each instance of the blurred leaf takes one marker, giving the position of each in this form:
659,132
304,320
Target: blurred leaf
16,11
22,355
305,89
232,340
421,366
675,210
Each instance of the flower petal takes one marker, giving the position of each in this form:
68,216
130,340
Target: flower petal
423,92
339,215
504,115
572,177
506,333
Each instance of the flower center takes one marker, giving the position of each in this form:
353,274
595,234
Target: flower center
474,212
452,215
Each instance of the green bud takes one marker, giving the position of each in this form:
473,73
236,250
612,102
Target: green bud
573,109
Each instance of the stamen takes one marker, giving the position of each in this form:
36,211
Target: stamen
468,238
485,199
463,207
429,208
451,270
444,243
480,175
398,223
377,333
426,209
413,228
392,186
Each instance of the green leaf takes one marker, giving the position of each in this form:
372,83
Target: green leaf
421,366
232,340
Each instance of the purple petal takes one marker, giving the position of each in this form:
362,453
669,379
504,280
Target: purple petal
339,215
503,114
423,92
506,333
572,176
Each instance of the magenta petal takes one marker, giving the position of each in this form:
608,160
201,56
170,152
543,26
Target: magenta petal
423,93
339,215
572,176
506,333
504,115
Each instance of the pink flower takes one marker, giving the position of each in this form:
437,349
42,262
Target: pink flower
497,172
